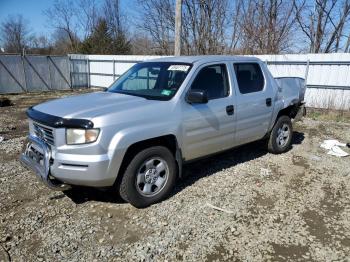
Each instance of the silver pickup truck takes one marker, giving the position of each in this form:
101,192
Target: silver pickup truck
136,135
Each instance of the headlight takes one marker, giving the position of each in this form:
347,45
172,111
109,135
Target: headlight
81,136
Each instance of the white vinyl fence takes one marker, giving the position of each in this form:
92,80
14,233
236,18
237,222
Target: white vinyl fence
327,75
101,70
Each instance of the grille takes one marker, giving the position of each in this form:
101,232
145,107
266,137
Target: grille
44,133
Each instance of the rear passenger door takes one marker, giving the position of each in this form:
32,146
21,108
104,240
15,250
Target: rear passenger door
209,128
254,103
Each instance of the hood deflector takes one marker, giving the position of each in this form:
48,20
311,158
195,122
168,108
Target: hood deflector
58,122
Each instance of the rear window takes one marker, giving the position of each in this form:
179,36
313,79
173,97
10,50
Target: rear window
249,77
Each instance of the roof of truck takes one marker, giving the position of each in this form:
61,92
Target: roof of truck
204,58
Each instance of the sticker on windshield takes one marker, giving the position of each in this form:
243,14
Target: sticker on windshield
166,92
183,68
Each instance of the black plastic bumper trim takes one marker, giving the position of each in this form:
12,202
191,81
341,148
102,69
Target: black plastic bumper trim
58,122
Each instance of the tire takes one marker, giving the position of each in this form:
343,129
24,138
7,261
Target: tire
149,177
281,142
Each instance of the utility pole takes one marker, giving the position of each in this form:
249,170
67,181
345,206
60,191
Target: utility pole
178,18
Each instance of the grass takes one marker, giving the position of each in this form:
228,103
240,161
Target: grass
328,115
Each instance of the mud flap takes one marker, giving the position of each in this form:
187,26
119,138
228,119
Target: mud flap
301,113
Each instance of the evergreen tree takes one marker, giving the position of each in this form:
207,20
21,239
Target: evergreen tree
121,46
101,41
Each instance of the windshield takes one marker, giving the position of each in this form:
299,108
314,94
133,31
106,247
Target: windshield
152,80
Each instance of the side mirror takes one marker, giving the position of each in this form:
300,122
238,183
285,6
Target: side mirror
197,96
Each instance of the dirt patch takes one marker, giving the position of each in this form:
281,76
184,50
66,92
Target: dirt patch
292,252
4,256
330,202
300,161
4,101
265,201
219,254
316,226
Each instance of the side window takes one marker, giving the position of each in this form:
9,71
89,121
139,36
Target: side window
214,80
249,77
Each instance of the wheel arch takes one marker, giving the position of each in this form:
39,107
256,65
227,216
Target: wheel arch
169,141
290,111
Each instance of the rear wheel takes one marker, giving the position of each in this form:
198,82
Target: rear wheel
281,136
149,177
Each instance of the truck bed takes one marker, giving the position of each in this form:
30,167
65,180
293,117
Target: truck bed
293,89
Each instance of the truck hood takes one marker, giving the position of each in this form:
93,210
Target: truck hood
88,106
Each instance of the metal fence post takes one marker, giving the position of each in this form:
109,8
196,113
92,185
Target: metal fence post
49,67
24,74
113,69
70,66
88,72
307,71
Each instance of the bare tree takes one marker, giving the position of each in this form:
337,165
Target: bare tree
142,44
62,16
61,42
204,26
208,26
40,45
87,13
14,34
235,25
347,44
323,23
116,21
338,33
114,16
158,20
267,26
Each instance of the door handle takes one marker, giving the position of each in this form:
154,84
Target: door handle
230,110
268,101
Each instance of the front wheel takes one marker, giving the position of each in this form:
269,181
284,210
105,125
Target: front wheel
149,177
281,136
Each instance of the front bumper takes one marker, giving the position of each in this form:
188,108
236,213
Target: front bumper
82,170
59,170
36,157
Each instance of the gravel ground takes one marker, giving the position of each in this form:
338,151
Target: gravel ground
289,207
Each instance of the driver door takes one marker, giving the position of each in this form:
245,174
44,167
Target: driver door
209,128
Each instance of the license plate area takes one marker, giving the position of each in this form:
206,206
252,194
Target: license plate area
36,157
36,154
